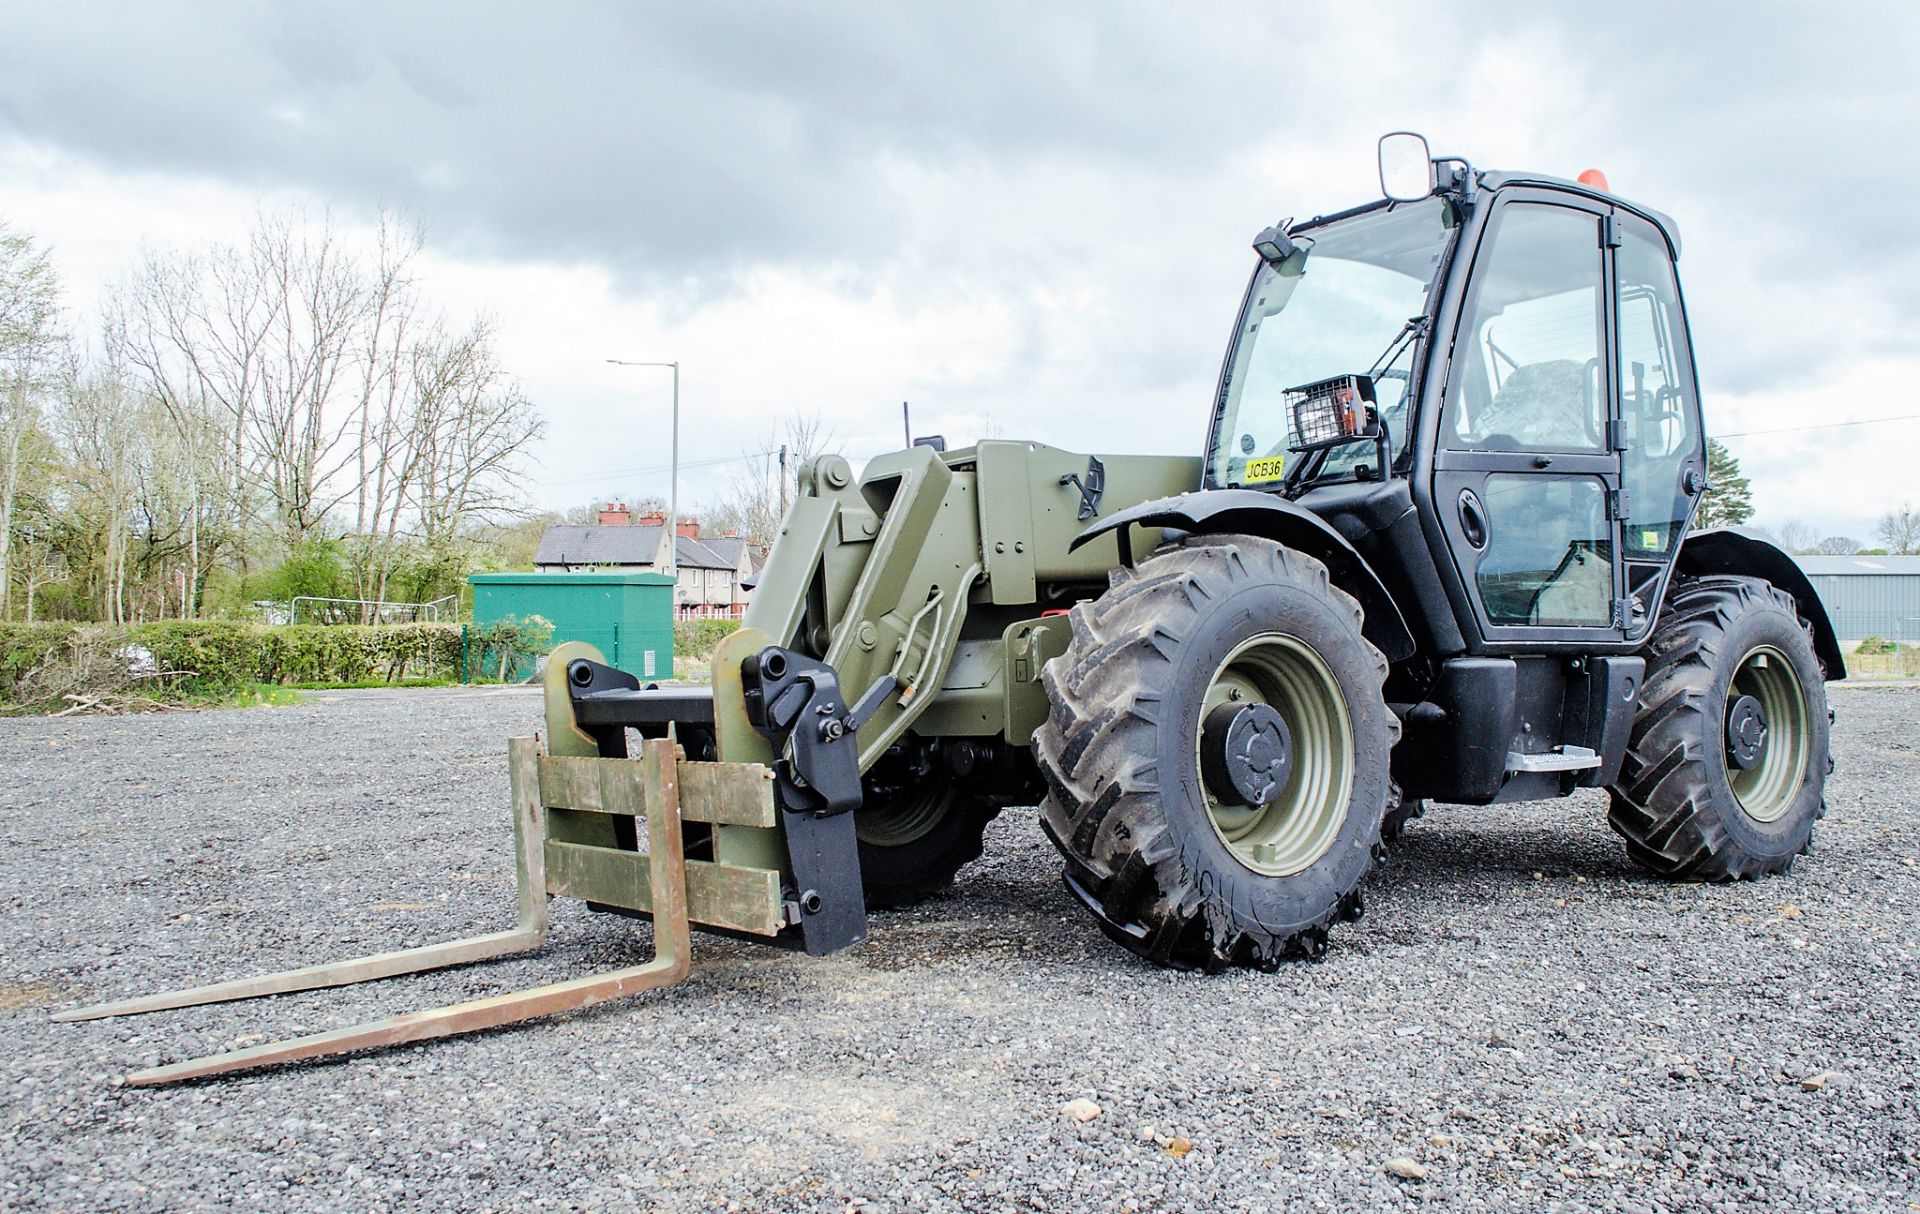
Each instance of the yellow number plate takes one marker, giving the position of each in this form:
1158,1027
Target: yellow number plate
1269,469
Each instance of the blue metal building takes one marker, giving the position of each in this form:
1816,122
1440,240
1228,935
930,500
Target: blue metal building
1869,596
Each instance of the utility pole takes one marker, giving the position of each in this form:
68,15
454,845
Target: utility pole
906,422
672,568
783,482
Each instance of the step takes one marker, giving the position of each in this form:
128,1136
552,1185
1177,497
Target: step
1560,758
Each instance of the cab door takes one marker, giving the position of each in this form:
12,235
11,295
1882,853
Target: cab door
1663,447
1527,476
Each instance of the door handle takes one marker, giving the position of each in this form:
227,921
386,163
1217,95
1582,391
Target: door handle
1473,520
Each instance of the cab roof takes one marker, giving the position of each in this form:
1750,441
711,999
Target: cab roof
1494,179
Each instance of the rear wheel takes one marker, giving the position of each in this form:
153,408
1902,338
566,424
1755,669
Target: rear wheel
1398,818
1217,754
1726,766
913,839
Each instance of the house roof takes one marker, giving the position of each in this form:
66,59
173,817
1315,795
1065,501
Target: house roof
566,544
699,554
594,544
1884,566
727,547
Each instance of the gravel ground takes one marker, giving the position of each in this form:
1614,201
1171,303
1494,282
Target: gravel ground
1522,1014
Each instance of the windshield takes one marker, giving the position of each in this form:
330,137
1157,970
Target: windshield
1340,305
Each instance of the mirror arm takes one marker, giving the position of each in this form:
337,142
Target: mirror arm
1462,183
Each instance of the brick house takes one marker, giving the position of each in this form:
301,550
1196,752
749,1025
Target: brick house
716,571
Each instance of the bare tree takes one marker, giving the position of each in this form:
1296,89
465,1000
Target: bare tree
299,342
101,430
763,486
176,526
387,344
294,386
474,429
193,329
29,339
449,452
1899,530
1796,536
1838,545
303,416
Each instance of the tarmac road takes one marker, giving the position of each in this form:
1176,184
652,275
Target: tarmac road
1522,1014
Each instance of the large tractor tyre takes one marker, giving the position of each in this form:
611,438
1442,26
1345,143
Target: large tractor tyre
915,839
1727,763
1217,754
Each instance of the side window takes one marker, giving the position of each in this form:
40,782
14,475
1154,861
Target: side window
1549,561
1527,359
1657,407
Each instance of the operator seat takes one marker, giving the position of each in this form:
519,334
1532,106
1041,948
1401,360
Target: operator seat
1541,404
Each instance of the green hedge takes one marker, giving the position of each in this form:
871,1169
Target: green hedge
224,657
25,646
697,638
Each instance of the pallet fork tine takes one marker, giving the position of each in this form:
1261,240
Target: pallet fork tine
667,866
320,977
529,832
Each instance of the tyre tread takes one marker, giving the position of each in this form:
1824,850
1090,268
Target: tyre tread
1661,805
1103,810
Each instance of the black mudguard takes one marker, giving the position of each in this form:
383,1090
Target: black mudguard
1732,550
1250,512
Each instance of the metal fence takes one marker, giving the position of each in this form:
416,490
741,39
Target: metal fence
313,609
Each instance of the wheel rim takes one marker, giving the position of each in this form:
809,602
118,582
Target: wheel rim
901,818
1300,824
1767,789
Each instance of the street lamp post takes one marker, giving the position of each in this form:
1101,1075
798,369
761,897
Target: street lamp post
673,481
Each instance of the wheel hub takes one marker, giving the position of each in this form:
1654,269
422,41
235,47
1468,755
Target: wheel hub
1273,749
1769,743
1746,732
1246,753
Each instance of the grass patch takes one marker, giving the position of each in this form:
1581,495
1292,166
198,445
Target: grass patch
258,695
1875,658
692,670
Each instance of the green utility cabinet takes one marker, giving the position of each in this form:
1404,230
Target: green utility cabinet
626,616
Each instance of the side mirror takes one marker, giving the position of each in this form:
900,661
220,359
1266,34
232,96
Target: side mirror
1406,166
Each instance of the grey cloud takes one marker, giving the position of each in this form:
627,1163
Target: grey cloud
669,139
676,144
682,138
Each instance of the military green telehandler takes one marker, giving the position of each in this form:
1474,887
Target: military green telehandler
1437,547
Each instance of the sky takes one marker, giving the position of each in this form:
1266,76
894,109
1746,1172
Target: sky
1030,221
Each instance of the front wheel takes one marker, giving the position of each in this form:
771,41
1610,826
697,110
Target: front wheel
1217,754
913,839
1727,763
